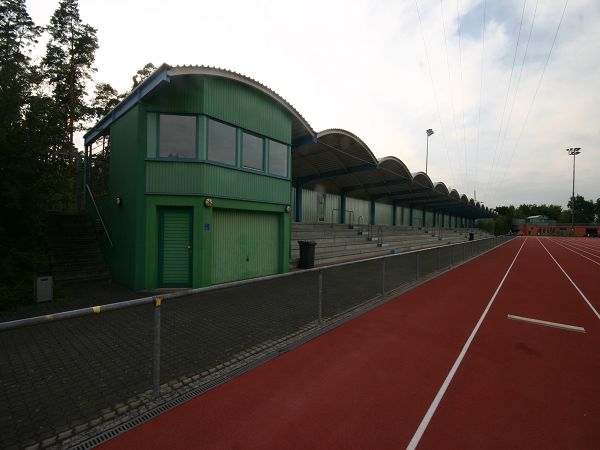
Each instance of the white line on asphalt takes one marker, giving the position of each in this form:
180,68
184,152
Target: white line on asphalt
561,326
440,394
584,246
577,253
572,282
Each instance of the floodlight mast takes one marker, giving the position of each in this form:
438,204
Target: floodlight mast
573,151
429,133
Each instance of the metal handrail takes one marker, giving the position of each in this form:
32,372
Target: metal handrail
360,221
350,218
87,187
350,215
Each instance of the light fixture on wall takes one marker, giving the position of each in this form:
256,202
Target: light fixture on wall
288,208
119,201
208,202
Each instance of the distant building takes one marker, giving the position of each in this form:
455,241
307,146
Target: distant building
541,225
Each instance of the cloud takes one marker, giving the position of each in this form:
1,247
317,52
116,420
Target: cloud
362,66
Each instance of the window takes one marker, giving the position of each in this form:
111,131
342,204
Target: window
177,136
278,158
221,142
252,149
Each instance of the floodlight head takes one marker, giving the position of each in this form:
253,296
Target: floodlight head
429,132
574,151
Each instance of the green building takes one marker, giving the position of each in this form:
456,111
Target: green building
193,176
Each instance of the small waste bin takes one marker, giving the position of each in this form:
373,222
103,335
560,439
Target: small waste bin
43,288
307,254
471,236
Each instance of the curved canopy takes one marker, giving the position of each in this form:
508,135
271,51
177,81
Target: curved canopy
339,162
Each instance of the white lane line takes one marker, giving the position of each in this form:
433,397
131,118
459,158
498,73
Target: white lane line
561,326
440,394
586,249
583,245
572,282
577,253
581,248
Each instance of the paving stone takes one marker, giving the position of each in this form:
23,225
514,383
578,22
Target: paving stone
65,434
49,441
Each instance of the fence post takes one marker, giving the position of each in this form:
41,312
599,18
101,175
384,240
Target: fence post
320,305
463,247
453,247
439,252
156,348
382,277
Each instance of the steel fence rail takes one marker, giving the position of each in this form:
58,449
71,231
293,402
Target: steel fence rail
66,372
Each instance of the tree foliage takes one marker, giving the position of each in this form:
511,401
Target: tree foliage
41,106
105,98
68,65
586,211
142,74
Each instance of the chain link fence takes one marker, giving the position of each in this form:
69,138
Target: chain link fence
66,373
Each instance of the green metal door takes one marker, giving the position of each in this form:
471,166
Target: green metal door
175,247
245,245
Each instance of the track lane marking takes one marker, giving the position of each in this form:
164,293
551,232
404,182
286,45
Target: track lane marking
440,394
592,250
561,326
572,282
573,250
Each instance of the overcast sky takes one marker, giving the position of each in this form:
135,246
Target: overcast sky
366,66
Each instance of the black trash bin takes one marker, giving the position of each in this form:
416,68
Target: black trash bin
471,236
307,254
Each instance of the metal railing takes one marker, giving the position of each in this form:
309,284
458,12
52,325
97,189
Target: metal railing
89,191
71,368
350,216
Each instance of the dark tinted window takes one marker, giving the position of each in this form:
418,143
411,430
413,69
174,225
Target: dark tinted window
177,136
221,142
278,158
252,149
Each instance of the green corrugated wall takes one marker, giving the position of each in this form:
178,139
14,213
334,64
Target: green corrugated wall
383,214
206,179
360,208
310,205
245,245
159,183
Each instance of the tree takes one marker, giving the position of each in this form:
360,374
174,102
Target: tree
584,209
105,98
69,64
597,210
24,174
142,74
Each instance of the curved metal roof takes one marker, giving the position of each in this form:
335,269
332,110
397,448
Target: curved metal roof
300,127
165,73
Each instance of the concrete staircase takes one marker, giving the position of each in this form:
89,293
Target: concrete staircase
75,252
339,243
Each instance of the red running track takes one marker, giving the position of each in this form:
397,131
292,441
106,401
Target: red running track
369,383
